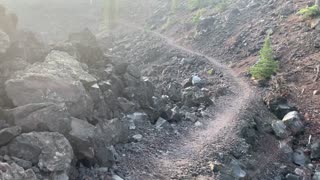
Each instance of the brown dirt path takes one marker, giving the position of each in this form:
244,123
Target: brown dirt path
214,137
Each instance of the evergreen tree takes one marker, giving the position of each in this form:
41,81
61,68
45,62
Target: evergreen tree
266,66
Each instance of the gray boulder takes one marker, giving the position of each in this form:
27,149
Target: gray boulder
7,134
194,96
4,42
315,150
134,71
88,48
59,79
80,137
107,134
174,91
294,122
15,172
50,150
280,129
41,117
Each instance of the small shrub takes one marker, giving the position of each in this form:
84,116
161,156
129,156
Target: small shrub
222,5
266,66
196,17
168,23
311,11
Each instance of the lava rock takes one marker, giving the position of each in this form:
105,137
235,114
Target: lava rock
134,71
315,150
294,122
41,117
107,134
7,134
13,171
88,48
280,129
299,158
292,177
58,79
81,139
50,150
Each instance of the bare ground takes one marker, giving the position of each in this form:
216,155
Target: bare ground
179,156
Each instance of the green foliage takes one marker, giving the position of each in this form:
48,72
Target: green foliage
266,66
222,5
311,11
196,17
168,23
196,4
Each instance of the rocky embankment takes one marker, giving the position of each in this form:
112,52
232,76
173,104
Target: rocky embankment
66,106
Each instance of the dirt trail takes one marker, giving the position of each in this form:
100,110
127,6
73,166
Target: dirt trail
218,133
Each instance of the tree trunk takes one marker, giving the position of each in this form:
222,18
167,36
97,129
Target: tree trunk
317,3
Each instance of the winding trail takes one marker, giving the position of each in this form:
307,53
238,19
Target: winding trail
218,133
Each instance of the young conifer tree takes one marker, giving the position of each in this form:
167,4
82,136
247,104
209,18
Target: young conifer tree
266,66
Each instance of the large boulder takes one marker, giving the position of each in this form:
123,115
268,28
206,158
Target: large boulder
4,42
59,79
88,48
51,151
7,134
294,122
81,139
194,96
107,134
41,117
15,172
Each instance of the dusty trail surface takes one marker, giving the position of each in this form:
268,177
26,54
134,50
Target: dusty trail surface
182,156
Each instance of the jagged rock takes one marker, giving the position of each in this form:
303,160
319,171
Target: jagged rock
59,176
41,117
88,48
15,172
81,139
299,158
194,96
116,177
23,163
107,134
126,105
68,48
133,71
7,134
280,129
187,83
191,117
55,80
280,107
142,94
4,42
99,109
316,175
196,81
174,91
292,177
161,123
130,80
51,151
120,67
294,122
315,150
